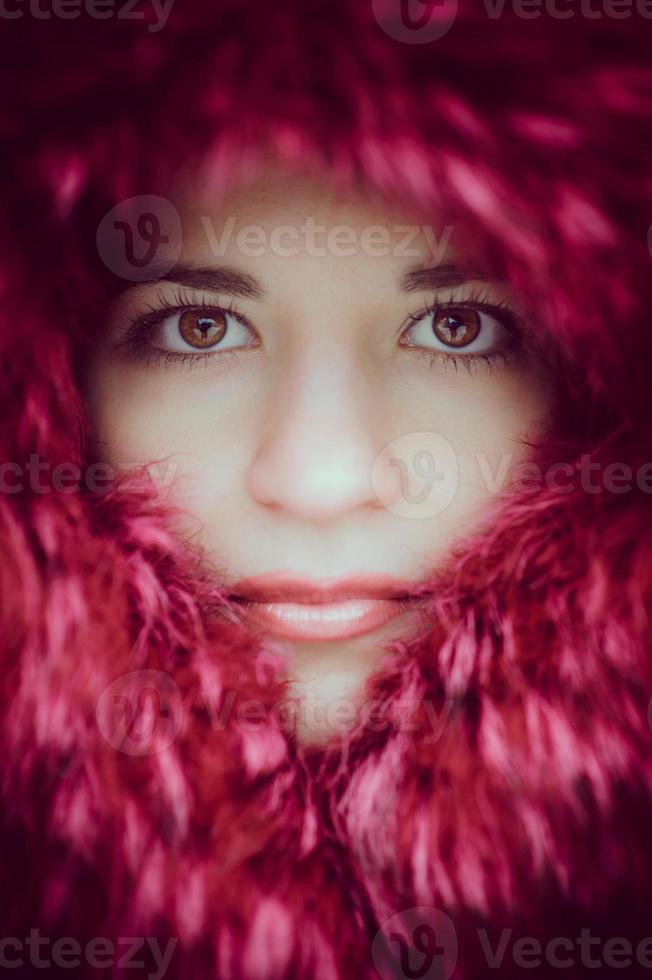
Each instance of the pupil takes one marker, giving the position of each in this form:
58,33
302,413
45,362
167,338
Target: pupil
453,325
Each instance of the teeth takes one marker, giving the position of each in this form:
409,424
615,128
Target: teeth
330,612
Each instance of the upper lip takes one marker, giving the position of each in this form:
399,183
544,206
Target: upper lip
282,587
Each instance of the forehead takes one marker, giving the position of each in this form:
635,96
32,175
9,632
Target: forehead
278,220
265,184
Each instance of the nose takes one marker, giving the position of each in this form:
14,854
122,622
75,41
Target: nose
322,433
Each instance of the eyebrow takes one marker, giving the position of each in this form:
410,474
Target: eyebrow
441,275
221,279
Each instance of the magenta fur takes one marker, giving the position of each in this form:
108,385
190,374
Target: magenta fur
518,796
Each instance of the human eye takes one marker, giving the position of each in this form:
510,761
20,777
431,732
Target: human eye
464,331
186,329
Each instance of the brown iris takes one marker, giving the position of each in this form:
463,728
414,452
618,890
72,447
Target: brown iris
456,327
201,328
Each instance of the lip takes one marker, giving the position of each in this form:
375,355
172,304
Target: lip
332,609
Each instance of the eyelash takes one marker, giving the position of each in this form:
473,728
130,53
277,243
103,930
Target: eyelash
478,299
135,336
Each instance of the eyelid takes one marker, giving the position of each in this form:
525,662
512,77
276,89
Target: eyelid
499,310
476,300
505,317
136,334
141,325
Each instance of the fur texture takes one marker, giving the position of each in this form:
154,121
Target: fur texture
531,809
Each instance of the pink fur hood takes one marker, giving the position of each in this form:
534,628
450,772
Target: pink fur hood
497,810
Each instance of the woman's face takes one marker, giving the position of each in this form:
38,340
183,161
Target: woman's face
332,400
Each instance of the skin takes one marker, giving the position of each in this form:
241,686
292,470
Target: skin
273,444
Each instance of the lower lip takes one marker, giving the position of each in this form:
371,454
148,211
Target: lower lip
323,620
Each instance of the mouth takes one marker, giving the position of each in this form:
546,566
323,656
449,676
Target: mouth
306,610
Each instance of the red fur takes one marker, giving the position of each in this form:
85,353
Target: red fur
531,810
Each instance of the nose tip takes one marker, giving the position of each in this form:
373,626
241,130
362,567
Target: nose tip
318,478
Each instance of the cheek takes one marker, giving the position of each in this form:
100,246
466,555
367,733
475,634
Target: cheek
195,434
488,419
